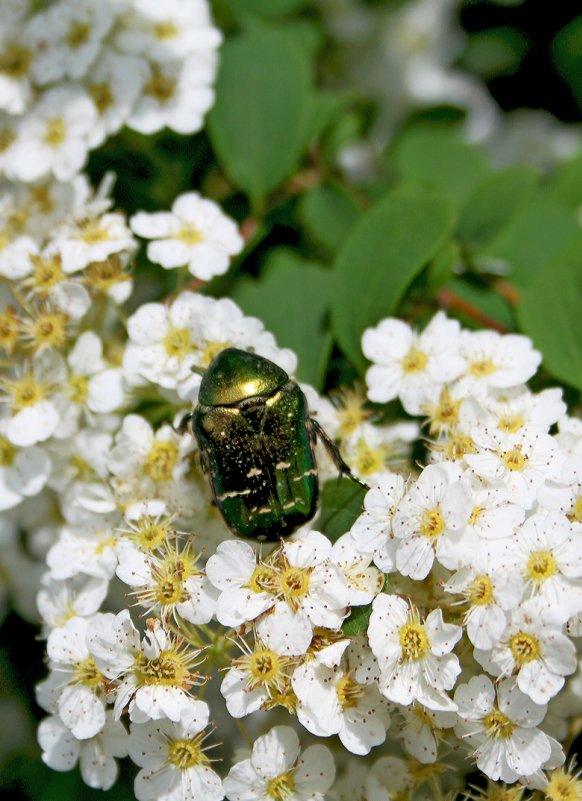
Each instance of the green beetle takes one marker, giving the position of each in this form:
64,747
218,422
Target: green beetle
256,442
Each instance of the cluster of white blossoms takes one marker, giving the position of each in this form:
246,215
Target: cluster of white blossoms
73,73
437,634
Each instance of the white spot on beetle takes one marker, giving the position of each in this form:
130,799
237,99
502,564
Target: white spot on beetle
254,471
282,465
234,494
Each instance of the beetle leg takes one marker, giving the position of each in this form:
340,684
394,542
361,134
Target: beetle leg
333,451
183,426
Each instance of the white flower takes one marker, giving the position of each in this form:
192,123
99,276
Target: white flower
548,555
77,687
496,361
406,362
170,31
517,407
154,677
247,588
278,769
195,233
168,581
15,57
67,37
429,521
493,517
262,675
61,751
489,589
413,656
501,726
60,600
54,136
114,85
31,398
173,764
533,649
87,548
177,95
23,471
333,701
422,730
90,238
372,531
521,462
364,581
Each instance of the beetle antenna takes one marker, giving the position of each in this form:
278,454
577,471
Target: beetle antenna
334,453
198,370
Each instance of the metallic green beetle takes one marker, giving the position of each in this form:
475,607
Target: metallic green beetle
256,443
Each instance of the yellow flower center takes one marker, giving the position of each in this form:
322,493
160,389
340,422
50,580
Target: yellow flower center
432,524
413,641
189,236
161,460
422,716
443,415
7,452
26,391
86,673
524,647
82,468
102,275
167,670
91,232
482,368
149,533
348,692
511,423
102,96
78,388
562,786
7,137
281,787
55,132
46,274
351,412
294,583
514,459
541,565
40,196
498,725
15,61
415,361
368,460
48,330
576,513
177,342
264,579
480,591
78,34
458,446
9,329
264,665
185,754
161,87
166,30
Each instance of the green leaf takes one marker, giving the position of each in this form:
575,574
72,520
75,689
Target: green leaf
494,203
358,620
292,299
441,268
566,183
384,252
437,157
550,314
567,55
341,504
535,239
484,299
258,124
328,213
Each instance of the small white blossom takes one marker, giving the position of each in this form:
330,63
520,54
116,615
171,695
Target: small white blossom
496,361
372,531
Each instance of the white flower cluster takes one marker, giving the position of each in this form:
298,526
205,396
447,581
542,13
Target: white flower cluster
442,625
74,73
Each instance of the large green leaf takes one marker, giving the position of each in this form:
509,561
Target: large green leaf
494,203
263,100
292,299
341,504
536,237
436,156
266,8
550,314
385,250
328,213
